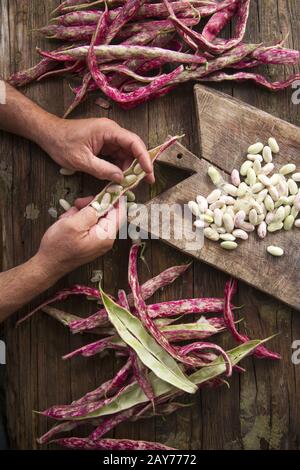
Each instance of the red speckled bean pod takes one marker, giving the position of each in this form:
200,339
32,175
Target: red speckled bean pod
219,20
109,444
258,79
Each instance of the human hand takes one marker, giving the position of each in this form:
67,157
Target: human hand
78,237
76,145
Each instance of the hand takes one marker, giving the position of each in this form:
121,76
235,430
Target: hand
77,145
77,238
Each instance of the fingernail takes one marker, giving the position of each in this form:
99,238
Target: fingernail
117,177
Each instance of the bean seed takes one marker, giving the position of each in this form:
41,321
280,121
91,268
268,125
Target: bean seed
129,179
264,180
261,195
286,169
228,200
239,218
242,189
270,218
267,154
287,210
64,204
207,218
283,189
257,167
221,230
267,169
235,178
130,196
279,214
258,207
252,158
199,223
245,167
269,203
230,189
238,233
275,250
273,145
209,212
275,179
297,223
211,234
275,226
217,205
288,222
218,217
227,245
292,185
105,202
214,175
214,196
273,193
294,212
66,172
227,237
194,208
296,177
228,222
137,170
255,148
114,188
297,202
282,201
253,217
251,177
202,203
291,200
260,218
96,206
247,227
262,230
257,187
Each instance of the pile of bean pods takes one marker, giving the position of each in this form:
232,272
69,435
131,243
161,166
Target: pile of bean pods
162,356
137,50
264,202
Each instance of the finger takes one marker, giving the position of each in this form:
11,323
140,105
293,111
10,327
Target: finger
105,170
81,202
133,145
69,213
85,218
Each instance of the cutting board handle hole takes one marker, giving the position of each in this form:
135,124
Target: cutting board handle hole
179,156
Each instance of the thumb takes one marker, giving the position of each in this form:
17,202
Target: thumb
105,170
85,218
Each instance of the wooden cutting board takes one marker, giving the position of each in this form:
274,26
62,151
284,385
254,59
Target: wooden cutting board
226,128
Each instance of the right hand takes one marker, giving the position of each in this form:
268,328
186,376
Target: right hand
78,237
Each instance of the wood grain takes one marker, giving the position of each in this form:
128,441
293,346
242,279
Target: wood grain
261,410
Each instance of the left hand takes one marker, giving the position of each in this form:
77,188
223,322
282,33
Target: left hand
81,145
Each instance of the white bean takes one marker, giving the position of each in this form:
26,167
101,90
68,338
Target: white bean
262,230
238,233
64,204
251,177
129,179
199,223
105,202
275,179
242,189
269,203
264,180
230,211
275,226
286,169
230,189
228,222
245,167
66,172
206,218
214,196
114,188
291,200
137,169
247,227
296,177
297,223
294,212
239,218
253,217
270,218
257,188
267,154
217,205
288,222
194,208
279,214
273,145
292,185
257,167
267,169
228,200
287,210
282,201
275,250
273,193
214,175
211,234
221,230
96,206
255,148
261,195
202,203
252,158
218,217
283,189
297,202
227,245
227,237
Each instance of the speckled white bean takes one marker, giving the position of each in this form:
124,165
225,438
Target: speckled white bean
238,233
228,222
218,217
239,218
228,200
262,230
235,177
270,217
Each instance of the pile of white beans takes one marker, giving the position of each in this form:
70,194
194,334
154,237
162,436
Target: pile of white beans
265,201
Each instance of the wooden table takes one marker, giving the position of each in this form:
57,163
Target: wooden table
261,410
